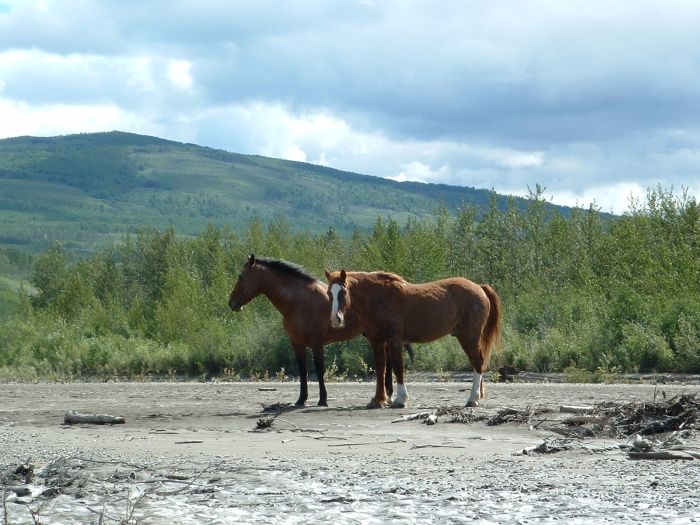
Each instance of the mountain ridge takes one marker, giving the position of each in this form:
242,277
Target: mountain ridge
88,189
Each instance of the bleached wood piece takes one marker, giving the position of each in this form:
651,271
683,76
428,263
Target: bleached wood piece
576,409
431,419
583,419
76,418
411,417
659,455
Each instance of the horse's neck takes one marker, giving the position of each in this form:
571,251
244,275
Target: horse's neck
280,292
362,298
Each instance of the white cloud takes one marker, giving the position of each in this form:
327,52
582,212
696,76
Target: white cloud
419,172
275,131
179,74
614,197
59,119
505,157
592,100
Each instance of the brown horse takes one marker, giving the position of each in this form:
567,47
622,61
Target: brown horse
394,311
303,302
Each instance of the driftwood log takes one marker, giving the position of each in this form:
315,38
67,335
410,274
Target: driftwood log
585,419
19,490
662,454
411,417
575,409
76,418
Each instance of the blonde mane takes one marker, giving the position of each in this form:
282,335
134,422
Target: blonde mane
384,278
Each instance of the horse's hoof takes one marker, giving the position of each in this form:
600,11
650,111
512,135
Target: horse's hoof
322,404
398,405
300,403
375,404
471,403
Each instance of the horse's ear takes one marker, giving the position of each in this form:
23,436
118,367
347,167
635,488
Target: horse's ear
328,275
251,259
343,276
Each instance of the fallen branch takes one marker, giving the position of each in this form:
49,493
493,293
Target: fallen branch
437,446
659,455
264,423
572,432
513,415
546,447
397,440
677,414
575,409
192,481
76,418
90,460
279,407
583,419
411,417
20,491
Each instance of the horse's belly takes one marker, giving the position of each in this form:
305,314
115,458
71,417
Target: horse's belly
427,327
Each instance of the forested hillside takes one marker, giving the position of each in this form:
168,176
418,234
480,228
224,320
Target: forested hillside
88,190
583,292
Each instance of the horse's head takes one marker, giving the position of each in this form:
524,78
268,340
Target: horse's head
339,297
247,287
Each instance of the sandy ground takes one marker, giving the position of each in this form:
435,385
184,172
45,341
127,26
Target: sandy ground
191,453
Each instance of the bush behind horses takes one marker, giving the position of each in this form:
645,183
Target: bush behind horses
586,290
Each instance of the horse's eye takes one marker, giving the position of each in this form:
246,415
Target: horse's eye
240,276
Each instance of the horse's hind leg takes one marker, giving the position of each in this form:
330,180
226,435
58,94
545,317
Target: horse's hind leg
319,366
300,354
470,345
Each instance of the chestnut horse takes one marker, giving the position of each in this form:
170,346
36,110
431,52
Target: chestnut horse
394,311
303,302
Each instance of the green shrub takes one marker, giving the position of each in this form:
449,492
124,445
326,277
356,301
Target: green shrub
686,341
583,291
648,351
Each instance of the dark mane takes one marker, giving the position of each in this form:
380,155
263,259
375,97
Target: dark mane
291,269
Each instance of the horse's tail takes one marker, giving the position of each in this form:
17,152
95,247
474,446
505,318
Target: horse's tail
492,330
409,350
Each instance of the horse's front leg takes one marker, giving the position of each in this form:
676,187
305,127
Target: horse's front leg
319,366
379,350
300,354
396,360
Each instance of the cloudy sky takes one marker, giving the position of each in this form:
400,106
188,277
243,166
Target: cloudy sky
594,100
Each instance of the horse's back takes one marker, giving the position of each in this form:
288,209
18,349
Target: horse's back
450,289
438,308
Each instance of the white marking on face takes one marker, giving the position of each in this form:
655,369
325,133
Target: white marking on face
335,290
476,391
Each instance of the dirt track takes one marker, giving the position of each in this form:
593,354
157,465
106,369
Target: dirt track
190,453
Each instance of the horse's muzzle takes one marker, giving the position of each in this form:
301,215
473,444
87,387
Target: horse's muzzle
337,320
235,306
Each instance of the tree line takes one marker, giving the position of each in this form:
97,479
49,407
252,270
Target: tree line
586,291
